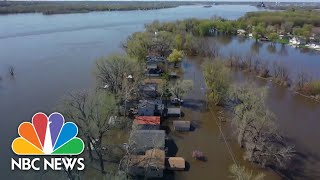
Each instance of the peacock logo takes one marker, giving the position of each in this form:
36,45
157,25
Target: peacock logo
48,136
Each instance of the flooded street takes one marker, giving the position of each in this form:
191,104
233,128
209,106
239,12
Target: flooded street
206,135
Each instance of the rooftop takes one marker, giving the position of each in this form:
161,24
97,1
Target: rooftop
152,157
144,139
174,110
176,163
152,120
185,124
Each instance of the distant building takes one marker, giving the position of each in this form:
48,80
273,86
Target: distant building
147,122
297,41
261,4
151,164
143,140
241,32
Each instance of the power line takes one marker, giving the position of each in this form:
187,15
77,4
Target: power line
225,140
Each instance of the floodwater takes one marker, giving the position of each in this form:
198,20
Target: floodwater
205,135
55,54
298,117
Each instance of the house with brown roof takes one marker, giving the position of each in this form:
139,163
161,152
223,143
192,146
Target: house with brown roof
147,122
150,165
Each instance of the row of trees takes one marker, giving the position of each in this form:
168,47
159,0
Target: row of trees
255,124
261,24
8,7
301,82
98,112
257,131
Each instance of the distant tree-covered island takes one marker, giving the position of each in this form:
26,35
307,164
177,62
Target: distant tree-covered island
55,7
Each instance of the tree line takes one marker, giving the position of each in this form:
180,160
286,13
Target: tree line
190,35
12,7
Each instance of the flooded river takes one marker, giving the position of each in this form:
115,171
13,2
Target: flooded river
55,54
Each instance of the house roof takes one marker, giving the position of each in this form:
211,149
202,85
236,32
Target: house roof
150,103
152,157
152,66
176,162
184,124
152,120
150,87
148,139
174,111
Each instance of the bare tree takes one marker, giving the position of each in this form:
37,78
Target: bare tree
162,43
249,61
257,131
92,112
120,75
11,71
207,48
264,69
241,173
181,87
301,80
281,74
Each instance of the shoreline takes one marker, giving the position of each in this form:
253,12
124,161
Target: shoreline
72,7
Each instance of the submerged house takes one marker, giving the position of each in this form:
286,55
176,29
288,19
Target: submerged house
152,164
148,90
153,70
150,108
147,122
143,140
173,112
181,125
153,66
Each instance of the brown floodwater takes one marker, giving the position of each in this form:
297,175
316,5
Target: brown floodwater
298,118
206,135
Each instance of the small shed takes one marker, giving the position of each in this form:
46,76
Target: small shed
176,164
174,112
147,122
181,125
